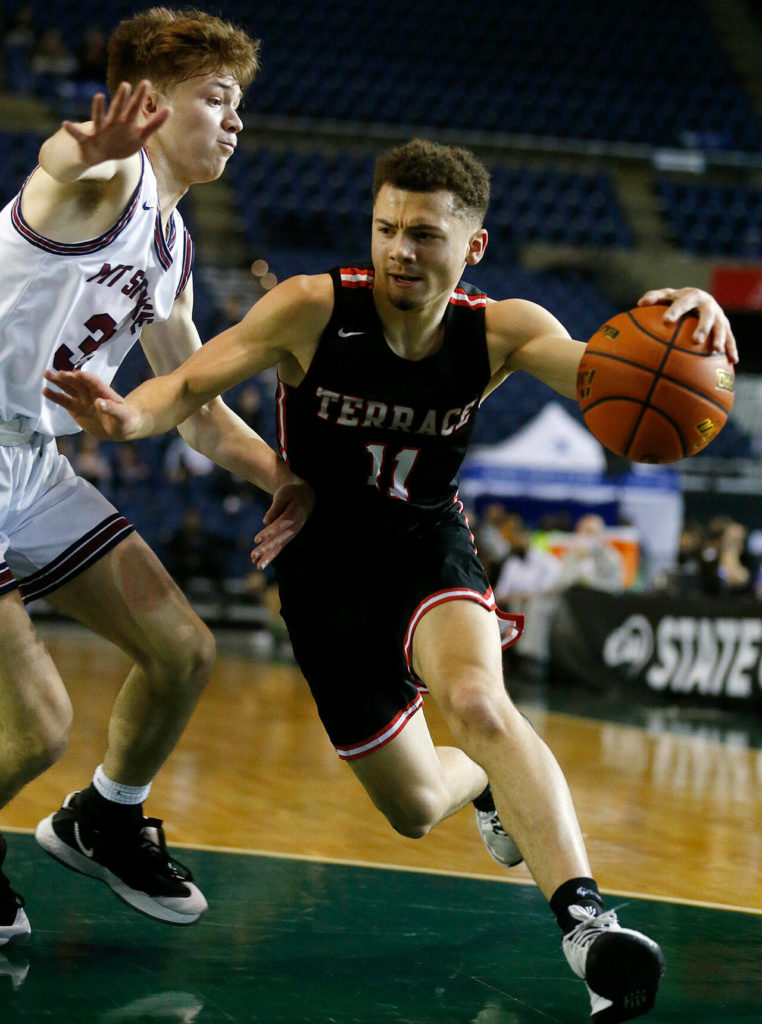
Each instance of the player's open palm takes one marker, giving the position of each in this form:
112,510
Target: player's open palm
116,131
291,506
92,404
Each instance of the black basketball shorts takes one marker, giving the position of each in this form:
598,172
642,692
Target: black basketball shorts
352,630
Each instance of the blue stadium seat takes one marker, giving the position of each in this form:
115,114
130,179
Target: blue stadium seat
552,68
710,219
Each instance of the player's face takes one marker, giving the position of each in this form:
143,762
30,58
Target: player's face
420,246
201,135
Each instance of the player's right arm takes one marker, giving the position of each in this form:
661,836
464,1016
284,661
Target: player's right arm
283,328
88,171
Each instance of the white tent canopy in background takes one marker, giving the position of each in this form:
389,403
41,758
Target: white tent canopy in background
552,440
555,459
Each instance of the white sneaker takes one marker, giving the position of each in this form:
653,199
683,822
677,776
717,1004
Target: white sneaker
621,967
499,844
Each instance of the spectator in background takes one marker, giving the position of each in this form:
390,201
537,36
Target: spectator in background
192,554
92,58
91,463
491,532
685,579
18,44
131,471
727,566
249,406
591,561
184,465
528,582
526,571
88,75
52,63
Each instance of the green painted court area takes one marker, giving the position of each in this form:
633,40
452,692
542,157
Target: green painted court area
290,941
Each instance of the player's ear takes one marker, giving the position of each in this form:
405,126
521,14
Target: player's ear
152,101
476,246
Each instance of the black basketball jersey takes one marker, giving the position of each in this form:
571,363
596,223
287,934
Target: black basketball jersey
375,433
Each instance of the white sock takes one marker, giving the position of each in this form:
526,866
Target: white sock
117,791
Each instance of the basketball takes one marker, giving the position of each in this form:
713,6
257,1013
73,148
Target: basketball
648,391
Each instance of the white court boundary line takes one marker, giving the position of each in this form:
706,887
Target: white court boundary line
474,876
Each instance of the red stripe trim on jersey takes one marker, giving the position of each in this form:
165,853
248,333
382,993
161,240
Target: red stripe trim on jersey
434,600
511,627
76,558
75,248
383,736
163,248
353,277
8,581
187,262
280,412
511,624
461,298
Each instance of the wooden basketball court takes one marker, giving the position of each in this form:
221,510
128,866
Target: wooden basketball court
320,913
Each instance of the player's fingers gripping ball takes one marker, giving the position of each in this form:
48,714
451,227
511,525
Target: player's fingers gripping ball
647,390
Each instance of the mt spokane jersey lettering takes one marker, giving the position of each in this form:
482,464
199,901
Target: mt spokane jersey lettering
375,434
106,289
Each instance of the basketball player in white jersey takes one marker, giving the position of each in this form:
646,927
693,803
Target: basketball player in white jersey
95,257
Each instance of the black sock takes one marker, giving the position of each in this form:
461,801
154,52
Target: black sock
577,892
107,813
484,801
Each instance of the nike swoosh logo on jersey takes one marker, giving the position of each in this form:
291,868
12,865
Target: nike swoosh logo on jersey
348,334
88,852
147,206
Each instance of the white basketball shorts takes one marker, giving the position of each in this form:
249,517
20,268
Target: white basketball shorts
53,524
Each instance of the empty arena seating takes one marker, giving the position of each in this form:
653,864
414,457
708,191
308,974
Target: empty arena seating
712,219
641,74
322,201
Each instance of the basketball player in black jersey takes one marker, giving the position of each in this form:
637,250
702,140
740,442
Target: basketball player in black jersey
381,372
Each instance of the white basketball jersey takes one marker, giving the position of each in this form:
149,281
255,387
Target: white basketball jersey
70,306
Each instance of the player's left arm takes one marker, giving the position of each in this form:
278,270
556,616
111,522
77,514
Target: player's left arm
217,432
712,321
522,335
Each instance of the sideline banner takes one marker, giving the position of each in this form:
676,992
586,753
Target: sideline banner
704,650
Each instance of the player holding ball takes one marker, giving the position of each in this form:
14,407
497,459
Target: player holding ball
382,369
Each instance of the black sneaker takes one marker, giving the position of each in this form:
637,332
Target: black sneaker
14,923
135,864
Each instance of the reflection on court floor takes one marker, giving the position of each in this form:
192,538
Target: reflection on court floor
298,941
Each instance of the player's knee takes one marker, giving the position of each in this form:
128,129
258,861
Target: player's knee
45,737
201,654
475,707
187,662
416,816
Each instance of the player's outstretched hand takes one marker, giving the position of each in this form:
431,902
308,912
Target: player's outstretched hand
291,506
116,131
95,406
712,322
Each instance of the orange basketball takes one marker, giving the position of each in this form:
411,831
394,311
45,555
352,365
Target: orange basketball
648,391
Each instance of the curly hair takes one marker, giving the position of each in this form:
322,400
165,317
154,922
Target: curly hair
170,46
422,166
